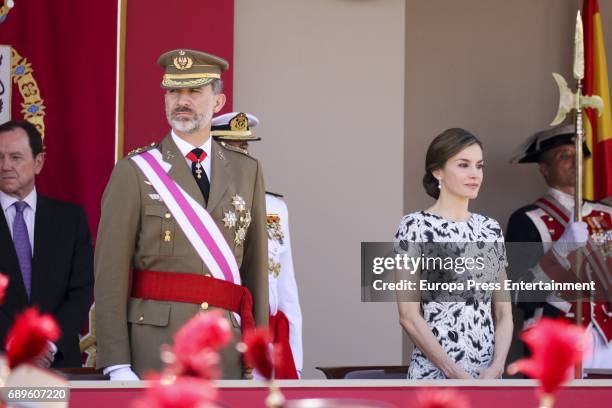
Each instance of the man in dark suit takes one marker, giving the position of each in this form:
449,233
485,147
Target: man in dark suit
45,246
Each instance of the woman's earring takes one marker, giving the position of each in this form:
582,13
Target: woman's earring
439,184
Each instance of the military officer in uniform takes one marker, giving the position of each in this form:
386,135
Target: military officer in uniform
182,230
235,129
549,221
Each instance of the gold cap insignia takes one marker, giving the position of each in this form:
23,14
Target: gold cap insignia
239,123
183,61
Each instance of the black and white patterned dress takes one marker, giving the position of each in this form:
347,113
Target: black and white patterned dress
464,328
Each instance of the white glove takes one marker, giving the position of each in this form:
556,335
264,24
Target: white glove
575,236
121,373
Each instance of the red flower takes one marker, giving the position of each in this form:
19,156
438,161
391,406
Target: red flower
185,392
441,398
196,345
4,281
556,346
257,353
28,337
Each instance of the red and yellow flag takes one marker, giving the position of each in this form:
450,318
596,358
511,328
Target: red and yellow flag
598,129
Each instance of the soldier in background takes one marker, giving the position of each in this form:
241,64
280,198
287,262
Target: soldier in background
549,221
234,129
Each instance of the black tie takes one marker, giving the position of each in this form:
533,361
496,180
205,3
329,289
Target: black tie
197,156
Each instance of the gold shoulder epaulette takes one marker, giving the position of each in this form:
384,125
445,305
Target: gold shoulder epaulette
235,149
139,150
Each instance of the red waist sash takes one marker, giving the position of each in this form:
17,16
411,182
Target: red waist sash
197,289
279,331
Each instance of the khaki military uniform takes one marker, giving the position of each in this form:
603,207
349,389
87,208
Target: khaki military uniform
138,232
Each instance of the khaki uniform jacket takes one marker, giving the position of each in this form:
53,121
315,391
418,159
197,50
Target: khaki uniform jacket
133,233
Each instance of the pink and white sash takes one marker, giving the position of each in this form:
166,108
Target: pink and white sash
197,224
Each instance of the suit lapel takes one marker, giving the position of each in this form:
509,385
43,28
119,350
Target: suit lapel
180,172
10,265
44,235
221,177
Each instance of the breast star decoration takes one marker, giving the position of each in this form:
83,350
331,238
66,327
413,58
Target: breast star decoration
237,218
274,268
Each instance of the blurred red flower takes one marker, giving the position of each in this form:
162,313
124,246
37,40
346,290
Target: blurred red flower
196,345
4,282
556,346
441,398
258,352
185,392
29,336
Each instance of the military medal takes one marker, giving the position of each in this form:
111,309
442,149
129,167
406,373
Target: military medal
274,228
238,218
274,268
238,203
240,236
229,219
197,156
246,219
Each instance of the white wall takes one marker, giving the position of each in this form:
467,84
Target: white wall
326,79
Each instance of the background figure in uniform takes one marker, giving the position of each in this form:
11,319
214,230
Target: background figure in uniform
549,221
45,246
234,129
177,269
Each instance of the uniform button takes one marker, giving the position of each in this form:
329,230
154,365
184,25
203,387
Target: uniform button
208,275
204,305
167,215
141,318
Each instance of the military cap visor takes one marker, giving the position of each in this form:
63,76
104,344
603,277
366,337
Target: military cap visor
536,145
190,69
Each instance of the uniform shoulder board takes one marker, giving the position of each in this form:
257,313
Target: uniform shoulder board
274,194
235,149
139,150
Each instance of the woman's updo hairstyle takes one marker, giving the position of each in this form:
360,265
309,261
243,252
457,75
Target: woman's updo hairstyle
443,147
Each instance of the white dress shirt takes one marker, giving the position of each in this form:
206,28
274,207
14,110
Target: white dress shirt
185,147
29,213
567,201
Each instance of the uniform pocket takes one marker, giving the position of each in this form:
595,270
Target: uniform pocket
149,312
158,229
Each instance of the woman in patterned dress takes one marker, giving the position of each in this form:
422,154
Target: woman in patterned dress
469,337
